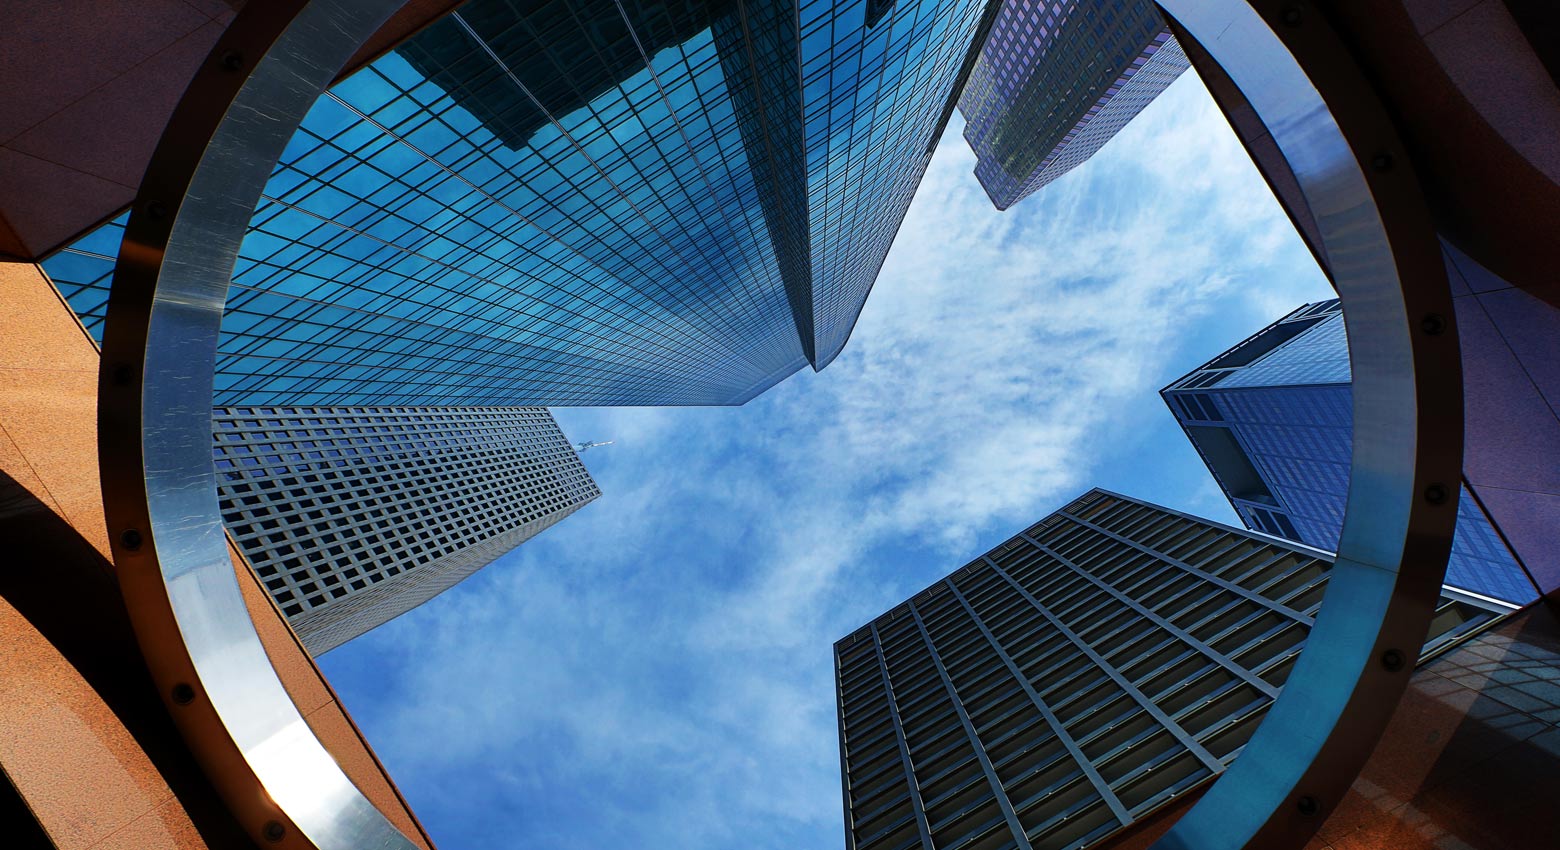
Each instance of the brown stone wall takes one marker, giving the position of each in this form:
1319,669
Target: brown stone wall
85,740
89,86
1471,759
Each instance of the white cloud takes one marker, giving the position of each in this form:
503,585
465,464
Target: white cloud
658,667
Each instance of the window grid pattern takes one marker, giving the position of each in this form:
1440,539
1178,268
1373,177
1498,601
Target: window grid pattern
1074,679
1055,81
83,270
872,99
581,202
351,516
1310,358
1290,410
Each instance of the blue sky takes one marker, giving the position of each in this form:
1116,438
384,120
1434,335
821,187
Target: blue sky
656,671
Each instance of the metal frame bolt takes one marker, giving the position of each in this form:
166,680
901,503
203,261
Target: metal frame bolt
1393,660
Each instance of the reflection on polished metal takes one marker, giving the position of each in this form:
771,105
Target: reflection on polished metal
160,492
1377,235
155,424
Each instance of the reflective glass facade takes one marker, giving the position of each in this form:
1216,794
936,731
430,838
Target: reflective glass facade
1273,419
1075,678
583,202
354,516
1056,81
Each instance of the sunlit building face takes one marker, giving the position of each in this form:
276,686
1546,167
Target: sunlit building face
1273,419
583,203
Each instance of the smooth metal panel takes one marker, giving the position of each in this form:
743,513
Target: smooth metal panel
1379,241
155,424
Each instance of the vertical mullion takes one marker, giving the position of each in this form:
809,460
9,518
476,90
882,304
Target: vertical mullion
911,784
1186,637
1154,711
839,708
1232,587
969,732
1101,787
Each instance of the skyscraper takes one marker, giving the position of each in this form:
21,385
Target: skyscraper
1075,678
582,202
1273,419
574,202
1054,83
354,516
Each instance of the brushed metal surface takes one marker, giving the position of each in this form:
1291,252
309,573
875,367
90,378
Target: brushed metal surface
1377,235
155,391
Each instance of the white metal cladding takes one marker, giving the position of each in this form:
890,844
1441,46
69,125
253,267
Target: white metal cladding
1075,678
352,516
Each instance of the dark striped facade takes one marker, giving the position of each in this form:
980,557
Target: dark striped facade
1075,678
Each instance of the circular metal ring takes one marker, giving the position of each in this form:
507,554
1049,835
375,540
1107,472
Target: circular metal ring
159,360
154,424
1381,246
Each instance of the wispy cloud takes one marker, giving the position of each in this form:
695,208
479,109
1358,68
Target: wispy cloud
656,671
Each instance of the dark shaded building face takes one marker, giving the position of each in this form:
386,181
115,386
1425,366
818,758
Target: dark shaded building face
1073,680
1273,419
1055,82
353,516
513,65
582,203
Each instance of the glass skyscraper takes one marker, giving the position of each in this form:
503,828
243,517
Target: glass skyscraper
1055,81
1273,419
352,516
1074,679
582,202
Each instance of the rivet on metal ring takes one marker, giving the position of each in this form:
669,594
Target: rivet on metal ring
232,60
1381,162
1292,16
272,831
1393,660
130,539
1433,324
183,694
156,209
1435,494
1308,805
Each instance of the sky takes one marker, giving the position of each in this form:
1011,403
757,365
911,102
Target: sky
656,671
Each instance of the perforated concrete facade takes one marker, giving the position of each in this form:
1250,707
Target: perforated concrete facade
1074,679
352,516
